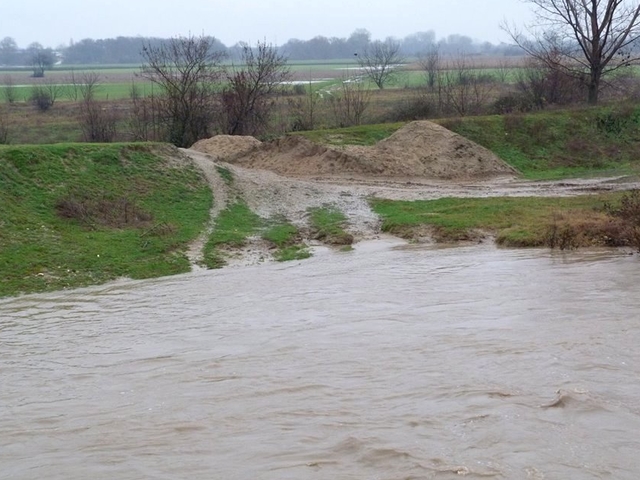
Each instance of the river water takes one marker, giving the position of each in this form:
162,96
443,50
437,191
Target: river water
383,363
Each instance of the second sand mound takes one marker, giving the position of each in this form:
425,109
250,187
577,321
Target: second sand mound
419,149
224,146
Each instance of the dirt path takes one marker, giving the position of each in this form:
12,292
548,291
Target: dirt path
220,198
269,195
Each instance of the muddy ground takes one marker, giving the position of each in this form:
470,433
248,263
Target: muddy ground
269,194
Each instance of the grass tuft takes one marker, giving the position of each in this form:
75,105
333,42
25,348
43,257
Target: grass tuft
328,225
286,238
226,174
233,226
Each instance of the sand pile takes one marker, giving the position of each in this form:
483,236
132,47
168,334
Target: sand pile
419,149
297,156
427,149
225,146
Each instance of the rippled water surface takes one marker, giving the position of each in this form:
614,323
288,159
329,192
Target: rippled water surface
383,363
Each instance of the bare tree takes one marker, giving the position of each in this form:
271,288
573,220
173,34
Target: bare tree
303,109
72,86
98,121
504,68
142,121
349,104
587,39
88,85
249,96
465,91
187,70
380,61
53,88
429,62
41,59
541,85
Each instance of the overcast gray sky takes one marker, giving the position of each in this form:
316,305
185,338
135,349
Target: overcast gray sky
55,22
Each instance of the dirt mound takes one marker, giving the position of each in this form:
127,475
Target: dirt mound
427,149
226,146
419,149
295,155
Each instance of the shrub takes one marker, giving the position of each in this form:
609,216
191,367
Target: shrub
615,122
101,210
299,89
98,123
629,212
418,108
512,103
41,98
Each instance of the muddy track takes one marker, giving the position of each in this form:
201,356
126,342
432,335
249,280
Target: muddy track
220,199
271,195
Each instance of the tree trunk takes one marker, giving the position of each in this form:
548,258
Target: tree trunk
594,89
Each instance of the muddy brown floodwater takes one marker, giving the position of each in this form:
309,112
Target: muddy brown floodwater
388,362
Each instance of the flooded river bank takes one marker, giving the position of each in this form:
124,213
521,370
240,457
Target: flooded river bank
383,363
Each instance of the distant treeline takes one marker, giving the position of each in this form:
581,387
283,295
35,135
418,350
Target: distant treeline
321,48
126,50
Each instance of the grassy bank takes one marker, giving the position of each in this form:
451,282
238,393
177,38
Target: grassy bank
593,220
563,143
81,214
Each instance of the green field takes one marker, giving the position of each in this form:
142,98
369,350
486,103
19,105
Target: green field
106,91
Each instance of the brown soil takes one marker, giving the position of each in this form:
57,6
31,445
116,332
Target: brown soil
419,149
225,146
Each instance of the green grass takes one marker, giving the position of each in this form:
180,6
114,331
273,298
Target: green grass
285,237
40,251
226,174
328,224
514,221
233,226
105,91
281,234
237,222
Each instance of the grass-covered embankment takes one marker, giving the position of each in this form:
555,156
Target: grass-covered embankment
594,220
81,214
